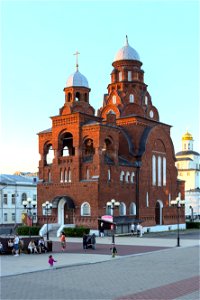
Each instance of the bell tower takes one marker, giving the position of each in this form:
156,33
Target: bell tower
127,92
77,93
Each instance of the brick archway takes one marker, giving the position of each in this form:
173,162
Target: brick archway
65,210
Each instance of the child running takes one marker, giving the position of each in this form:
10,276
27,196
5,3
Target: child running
51,260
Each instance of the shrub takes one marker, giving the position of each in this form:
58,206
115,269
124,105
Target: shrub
26,230
190,225
76,232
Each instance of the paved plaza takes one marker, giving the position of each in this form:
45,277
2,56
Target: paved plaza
145,268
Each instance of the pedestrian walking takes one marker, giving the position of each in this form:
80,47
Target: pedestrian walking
84,241
113,250
63,241
51,261
101,230
16,245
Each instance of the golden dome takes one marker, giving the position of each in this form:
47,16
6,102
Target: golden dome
187,137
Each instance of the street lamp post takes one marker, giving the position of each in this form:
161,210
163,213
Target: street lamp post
178,203
29,205
47,207
113,204
192,213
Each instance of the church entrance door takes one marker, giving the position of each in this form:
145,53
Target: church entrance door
68,215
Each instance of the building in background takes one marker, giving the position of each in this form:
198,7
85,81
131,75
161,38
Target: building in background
123,153
188,165
14,189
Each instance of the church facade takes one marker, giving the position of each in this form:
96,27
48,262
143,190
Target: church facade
188,165
123,152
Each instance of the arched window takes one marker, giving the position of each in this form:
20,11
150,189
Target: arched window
132,177
88,147
153,170
49,176
122,209
120,76
114,99
61,175
129,75
109,211
146,100
147,199
69,175
109,175
159,171
131,98
24,197
127,176
85,209
164,171
132,209
65,175
87,173
122,176
169,199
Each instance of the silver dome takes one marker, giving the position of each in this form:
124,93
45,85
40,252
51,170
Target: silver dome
77,79
127,53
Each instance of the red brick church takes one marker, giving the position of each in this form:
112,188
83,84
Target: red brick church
123,153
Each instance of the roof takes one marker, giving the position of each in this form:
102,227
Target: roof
77,79
46,130
8,179
193,190
127,53
187,136
184,158
189,152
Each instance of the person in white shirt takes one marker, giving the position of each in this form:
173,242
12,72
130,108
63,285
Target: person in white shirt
16,245
32,247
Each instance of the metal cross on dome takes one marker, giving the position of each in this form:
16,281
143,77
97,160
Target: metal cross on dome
76,53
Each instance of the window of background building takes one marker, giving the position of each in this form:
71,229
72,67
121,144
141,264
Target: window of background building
5,198
13,216
24,197
13,198
5,216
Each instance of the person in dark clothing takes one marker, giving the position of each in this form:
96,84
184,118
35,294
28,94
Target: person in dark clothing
84,241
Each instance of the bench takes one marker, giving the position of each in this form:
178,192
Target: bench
24,241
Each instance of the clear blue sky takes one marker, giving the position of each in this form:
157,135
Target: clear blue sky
38,39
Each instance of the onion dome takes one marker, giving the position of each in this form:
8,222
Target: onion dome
187,137
127,53
77,79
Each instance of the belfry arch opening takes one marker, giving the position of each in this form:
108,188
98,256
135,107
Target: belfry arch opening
67,148
48,154
77,96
